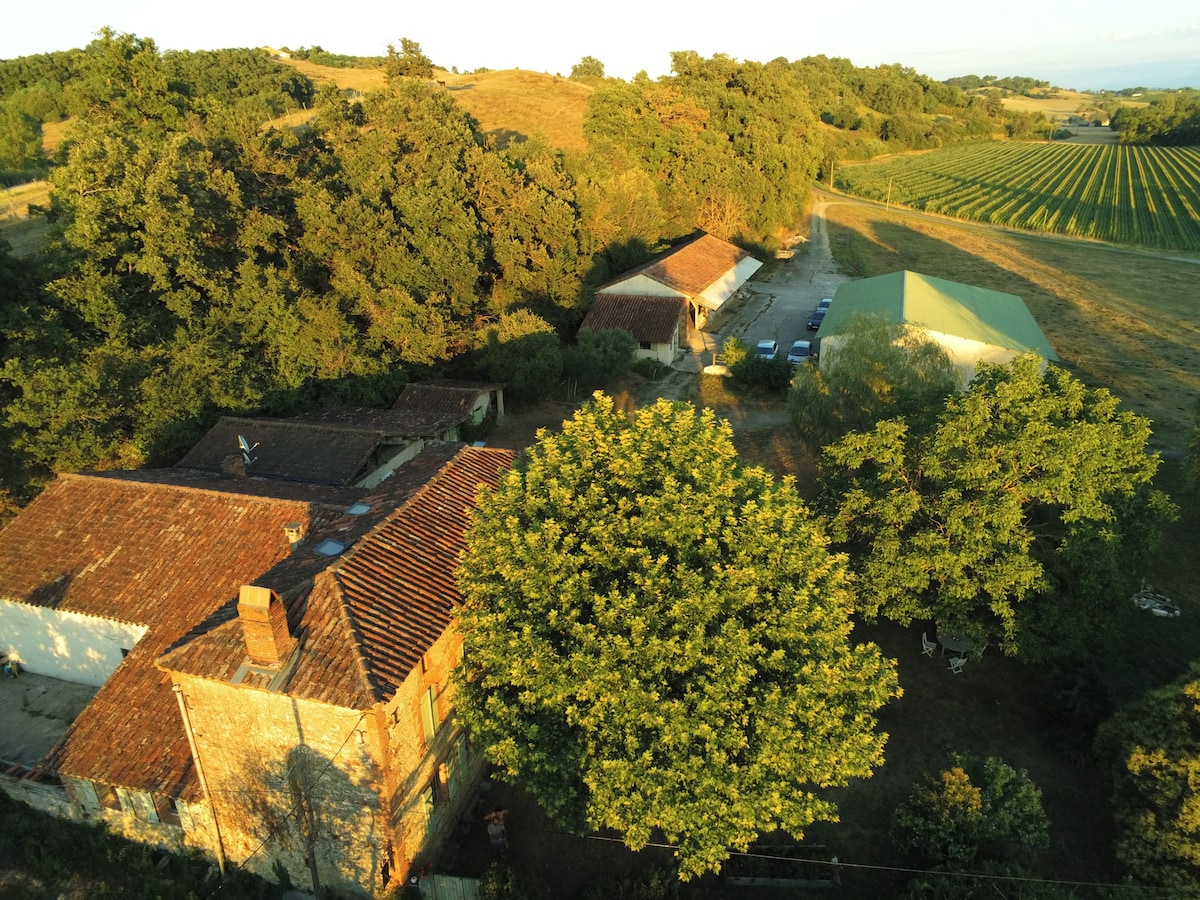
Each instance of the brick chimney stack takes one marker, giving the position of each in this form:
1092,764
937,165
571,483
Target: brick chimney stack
264,626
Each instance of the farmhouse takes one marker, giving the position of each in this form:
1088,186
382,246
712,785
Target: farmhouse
656,323
259,646
705,272
972,323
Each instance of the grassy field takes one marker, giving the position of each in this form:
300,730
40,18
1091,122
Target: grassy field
26,234
1143,196
510,105
1119,319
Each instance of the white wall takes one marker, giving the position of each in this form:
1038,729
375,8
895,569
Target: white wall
964,353
66,645
640,286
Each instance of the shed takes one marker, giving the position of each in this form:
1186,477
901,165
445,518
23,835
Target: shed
656,323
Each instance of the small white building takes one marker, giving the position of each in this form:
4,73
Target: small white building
705,272
657,323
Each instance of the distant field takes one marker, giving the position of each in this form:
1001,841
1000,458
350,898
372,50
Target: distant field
24,233
510,105
1143,196
348,79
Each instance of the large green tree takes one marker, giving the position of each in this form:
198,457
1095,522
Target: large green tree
878,370
657,639
1153,751
1018,516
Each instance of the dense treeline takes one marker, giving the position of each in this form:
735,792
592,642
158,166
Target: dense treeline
202,263
1171,120
1017,84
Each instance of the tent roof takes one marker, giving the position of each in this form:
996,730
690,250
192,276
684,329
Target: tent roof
962,310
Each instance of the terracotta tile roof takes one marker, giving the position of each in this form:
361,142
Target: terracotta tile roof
299,451
437,399
364,619
650,319
397,423
160,554
691,268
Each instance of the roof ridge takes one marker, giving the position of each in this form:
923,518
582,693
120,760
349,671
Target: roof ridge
155,486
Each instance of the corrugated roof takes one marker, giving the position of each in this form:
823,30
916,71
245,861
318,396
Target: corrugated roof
691,268
962,310
650,319
395,423
433,398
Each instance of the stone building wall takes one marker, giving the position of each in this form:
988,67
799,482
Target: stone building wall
429,783
293,784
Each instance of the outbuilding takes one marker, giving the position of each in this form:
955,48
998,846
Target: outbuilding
973,324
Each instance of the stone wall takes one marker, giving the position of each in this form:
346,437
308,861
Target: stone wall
292,783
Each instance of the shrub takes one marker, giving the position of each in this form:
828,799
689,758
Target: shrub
972,810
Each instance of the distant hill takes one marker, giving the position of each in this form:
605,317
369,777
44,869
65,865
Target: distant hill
510,105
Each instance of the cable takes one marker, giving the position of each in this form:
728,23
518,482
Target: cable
899,869
287,816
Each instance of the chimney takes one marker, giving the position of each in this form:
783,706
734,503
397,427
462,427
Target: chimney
264,626
295,533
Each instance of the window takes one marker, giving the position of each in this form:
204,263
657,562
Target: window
108,796
167,810
645,345
429,721
429,805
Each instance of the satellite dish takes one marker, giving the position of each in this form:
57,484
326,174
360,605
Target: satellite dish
246,448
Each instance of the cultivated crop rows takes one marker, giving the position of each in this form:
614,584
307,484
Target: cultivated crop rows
1129,195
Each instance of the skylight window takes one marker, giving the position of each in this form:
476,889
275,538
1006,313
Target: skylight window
358,509
329,547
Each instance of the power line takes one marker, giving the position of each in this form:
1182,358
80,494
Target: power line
838,864
291,812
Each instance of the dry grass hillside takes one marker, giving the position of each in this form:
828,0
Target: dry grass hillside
510,105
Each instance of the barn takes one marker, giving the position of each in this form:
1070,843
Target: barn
973,324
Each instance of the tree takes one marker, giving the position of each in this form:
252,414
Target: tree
410,62
1153,751
973,810
656,638
599,356
20,138
588,67
1017,517
521,349
878,370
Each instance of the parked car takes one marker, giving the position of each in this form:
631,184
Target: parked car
824,304
818,316
767,349
801,352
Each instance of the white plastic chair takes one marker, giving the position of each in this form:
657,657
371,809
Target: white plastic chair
957,663
927,646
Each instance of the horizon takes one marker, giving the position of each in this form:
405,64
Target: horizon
1073,47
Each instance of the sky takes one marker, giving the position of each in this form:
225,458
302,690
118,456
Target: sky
1073,44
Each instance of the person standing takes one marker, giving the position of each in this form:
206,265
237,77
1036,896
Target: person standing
497,830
